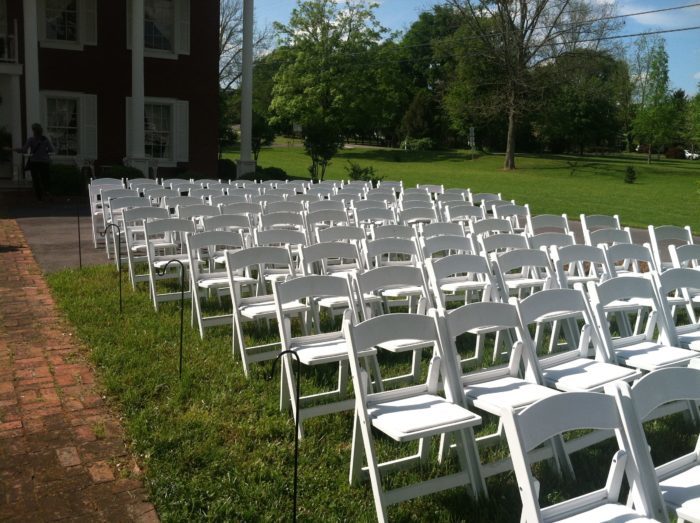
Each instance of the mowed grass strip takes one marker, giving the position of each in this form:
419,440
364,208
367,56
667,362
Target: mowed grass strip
666,191
214,446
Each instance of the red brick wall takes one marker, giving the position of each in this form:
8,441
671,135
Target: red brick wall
105,70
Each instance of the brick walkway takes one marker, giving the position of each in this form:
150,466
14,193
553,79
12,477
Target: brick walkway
62,453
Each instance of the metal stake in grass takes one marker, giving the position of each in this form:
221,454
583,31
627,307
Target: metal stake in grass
119,258
296,425
182,303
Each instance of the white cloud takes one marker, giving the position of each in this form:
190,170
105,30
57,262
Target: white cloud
697,75
664,20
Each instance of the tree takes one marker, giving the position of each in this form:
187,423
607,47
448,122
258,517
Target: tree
655,121
514,38
692,125
583,91
231,43
326,77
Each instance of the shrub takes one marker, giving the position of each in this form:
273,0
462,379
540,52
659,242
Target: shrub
267,173
356,172
226,169
418,144
630,174
66,180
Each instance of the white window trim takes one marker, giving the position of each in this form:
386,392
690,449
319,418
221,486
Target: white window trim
175,53
45,95
165,162
79,45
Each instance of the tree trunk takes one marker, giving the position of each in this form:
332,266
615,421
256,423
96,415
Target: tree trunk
649,154
509,162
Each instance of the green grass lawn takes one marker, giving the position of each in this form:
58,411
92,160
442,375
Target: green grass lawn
214,446
666,192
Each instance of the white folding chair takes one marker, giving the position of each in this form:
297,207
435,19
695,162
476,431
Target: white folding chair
594,222
523,271
674,485
638,351
444,245
135,239
315,347
259,306
548,223
460,277
378,289
679,288
527,429
572,366
341,233
406,415
205,251
165,243
547,240
390,251
662,237
405,232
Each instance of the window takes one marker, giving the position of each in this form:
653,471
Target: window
166,130
67,24
70,120
62,20
62,125
159,29
158,127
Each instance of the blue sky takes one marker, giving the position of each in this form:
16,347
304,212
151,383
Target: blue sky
683,47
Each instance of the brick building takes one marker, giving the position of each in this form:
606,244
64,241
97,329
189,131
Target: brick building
70,65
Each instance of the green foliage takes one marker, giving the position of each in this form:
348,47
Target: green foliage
630,174
692,124
595,189
322,140
657,119
366,174
226,169
418,144
327,75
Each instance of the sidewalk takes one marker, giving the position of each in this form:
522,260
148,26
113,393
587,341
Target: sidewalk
62,453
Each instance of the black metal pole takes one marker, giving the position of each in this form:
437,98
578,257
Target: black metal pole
296,426
80,249
119,258
182,304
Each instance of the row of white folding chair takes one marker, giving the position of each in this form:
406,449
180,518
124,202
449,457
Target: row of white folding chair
500,391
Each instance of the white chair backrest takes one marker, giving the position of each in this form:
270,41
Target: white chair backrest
393,231
548,223
346,233
447,244
664,236
551,239
609,237
627,257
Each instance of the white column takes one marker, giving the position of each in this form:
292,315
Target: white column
246,163
138,149
16,126
31,63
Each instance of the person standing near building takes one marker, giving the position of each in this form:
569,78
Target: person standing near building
40,149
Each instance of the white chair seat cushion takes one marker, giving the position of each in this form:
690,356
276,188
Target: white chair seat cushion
220,279
611,512
266,309
524,283
690,340
416,416
334,301
455,285
505,393
162,261
583,374
650,356
322,348
683,490
405,345
411,290
625,305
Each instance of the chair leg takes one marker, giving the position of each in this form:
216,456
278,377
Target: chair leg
415,364
357,453
470,463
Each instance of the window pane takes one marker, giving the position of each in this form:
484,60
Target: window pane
62,20
159,29
62,125
157,124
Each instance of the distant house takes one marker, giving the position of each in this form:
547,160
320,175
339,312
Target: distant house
69,65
